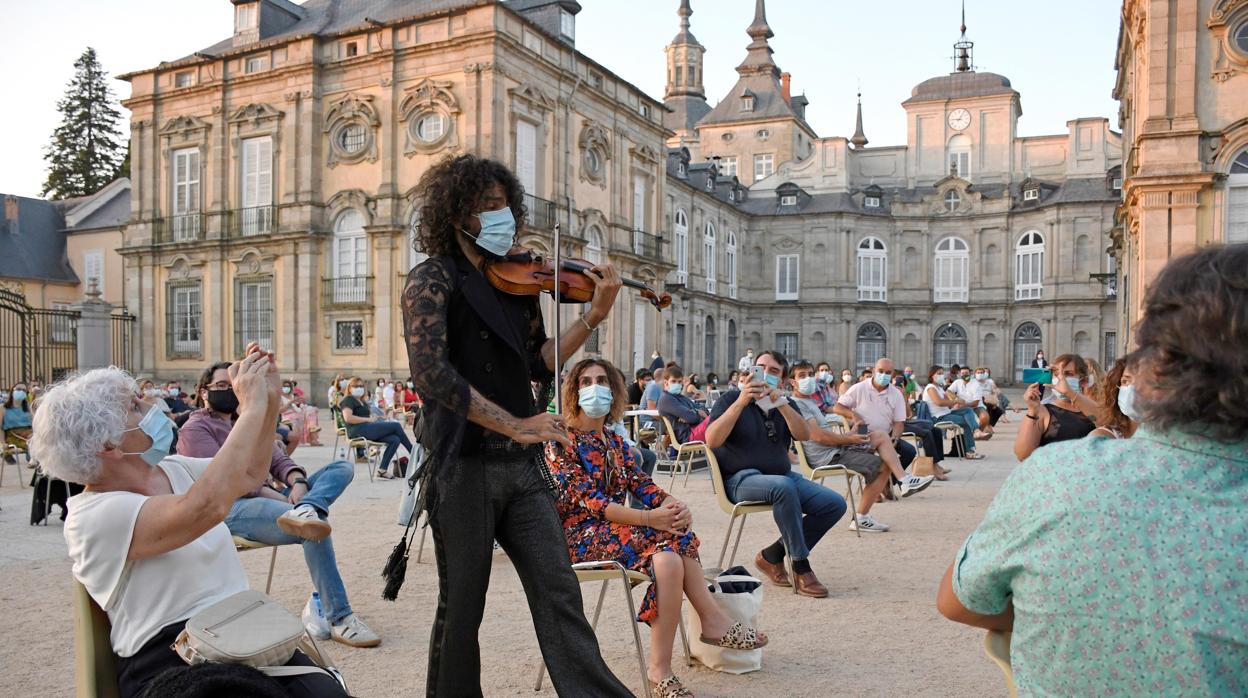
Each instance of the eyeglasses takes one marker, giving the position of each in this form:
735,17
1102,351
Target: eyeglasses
771,430
219,385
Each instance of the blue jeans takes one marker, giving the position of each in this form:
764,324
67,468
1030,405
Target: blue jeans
966,418
255,518
803,510
387,432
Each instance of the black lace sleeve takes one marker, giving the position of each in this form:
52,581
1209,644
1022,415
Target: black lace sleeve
538,370
426,298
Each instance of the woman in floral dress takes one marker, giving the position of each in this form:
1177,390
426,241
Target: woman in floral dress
658,540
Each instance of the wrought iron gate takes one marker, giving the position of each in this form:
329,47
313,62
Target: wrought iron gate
35,344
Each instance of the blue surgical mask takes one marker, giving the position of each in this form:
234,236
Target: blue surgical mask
882,379
980,376
675,388
909,374
19,395
159,429
498,230
285,390
1126,402
1071,382
825,377
174,392
595,400
357,392
807,385
771,381
939,379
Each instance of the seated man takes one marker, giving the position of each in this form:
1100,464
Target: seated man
864,454
637,388
175,399
650,397
295,514
752,448
878,406
688,418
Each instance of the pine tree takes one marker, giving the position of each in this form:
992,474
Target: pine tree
87,150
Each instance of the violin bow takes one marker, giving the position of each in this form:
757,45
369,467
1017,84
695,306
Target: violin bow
554,294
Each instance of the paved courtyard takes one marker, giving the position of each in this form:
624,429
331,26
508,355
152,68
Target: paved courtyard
881,614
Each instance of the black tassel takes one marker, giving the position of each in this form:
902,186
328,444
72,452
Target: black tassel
395,570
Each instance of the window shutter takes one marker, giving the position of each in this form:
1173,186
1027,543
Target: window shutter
526,156
1237,214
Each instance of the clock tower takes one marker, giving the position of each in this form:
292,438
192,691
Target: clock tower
962,124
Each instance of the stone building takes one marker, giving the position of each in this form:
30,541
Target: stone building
274,174
1183,87
968,243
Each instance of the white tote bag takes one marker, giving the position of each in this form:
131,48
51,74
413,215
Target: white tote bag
411,488
739,606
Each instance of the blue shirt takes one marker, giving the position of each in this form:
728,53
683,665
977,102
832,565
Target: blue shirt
1125,562
653,392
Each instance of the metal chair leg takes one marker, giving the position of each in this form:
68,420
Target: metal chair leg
632,621
740,530
853,508
724,549
684,641
268,584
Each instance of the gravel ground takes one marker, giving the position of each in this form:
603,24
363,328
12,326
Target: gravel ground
877,635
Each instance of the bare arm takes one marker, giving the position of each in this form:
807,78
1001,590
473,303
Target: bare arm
797,426
168,522
825,437
950,606
1033,425
607,283
845,412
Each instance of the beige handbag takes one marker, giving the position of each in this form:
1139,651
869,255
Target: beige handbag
247,628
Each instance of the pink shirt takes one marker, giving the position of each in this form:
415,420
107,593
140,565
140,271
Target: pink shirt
880,409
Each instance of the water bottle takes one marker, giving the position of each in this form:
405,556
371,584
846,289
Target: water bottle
314,620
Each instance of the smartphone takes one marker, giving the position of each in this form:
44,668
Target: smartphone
1043,376
756,374
863,429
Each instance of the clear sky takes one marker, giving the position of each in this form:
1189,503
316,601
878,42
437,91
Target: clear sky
1059,54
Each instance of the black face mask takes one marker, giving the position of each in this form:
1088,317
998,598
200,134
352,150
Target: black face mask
223,400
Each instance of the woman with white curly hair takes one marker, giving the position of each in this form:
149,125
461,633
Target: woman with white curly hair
147,538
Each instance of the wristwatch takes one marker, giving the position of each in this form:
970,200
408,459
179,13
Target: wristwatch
299,481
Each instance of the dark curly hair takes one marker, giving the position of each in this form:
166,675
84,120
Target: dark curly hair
449,192
572,389
1192,341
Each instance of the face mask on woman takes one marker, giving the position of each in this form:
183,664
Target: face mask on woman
847,377
285,390
342,385
409,385
825,377
19,395
939,379
1071,381
159,429
1126,402
675,388
807,385
595,400
981,376
357,392
149,392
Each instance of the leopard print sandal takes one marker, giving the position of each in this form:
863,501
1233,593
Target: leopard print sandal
738,637
671,687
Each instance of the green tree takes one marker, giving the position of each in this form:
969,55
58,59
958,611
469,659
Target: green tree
87,149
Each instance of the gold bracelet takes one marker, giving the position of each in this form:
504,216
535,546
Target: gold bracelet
586,324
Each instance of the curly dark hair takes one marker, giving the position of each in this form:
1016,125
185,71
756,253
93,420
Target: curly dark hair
1191,345
449,192
571,389
1111,415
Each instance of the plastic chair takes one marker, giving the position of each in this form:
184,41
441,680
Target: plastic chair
734,510
372,448
14,451
691,449
241,544
997,647
825,471
95,665
606,571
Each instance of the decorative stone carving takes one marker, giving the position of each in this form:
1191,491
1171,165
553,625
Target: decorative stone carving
351,124
255,115
532,99
353,198
595,145
1229,60
430,111
185,128
645,154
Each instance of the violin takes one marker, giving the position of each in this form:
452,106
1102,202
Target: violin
523,272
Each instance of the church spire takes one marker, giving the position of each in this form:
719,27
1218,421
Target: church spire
964,49
758,53
859,139
684,59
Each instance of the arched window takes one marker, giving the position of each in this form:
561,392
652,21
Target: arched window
952,261
350,270
1026,344
949,345
1085,259
1237,198
593,245
872,344
731,255
732,339
872,270
414,254
709,351
708,255
682,246
1083,345
1029,267
960,156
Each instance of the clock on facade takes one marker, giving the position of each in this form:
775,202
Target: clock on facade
959,119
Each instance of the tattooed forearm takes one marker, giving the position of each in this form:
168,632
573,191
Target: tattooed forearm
491,416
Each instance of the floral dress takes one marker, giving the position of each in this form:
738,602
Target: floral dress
589,482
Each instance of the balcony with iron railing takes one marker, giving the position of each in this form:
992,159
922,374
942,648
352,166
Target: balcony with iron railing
347,292
541,213
183,227
252,221
647,245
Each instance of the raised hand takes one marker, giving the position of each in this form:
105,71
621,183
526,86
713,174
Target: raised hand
251,385
607,284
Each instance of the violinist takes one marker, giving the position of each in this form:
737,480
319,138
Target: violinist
474,351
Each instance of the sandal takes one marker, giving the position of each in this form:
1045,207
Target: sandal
738,637
384,475
671,687
971,455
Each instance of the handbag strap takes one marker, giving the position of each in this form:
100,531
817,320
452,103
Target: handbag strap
733,578
283,671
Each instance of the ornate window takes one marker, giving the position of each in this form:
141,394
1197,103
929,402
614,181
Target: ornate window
871,345
1029,267
351,123
1237,197
593,245
960,156
952,261
953,200
872,270
429,110
949,345
682,246
1026,344
708,255
350,262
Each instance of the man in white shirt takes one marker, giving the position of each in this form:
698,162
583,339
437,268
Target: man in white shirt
746,361
880,406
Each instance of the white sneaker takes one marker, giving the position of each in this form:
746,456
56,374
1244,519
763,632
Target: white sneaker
864,522
914,484
352,631
304,522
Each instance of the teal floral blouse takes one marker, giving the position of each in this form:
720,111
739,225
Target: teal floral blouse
1125,560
